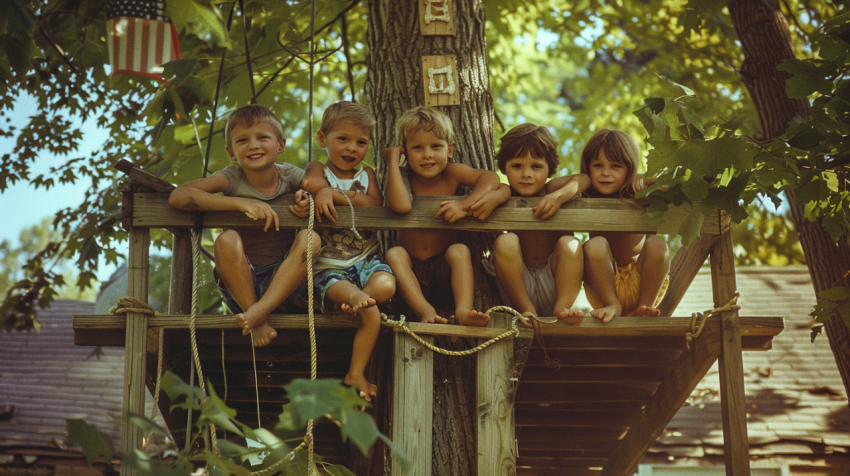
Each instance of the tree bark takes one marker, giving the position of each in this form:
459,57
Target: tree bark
766,42
393,85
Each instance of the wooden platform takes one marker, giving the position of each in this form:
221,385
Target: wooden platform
597,411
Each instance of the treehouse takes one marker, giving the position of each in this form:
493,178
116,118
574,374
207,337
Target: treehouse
616,387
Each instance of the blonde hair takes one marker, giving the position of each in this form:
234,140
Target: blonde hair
526,138
357,114
250,115
619,148
427,119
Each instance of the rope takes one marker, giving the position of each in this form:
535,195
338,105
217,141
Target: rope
351,206
196,257
513,332
158,373
311,468
130,304
698,319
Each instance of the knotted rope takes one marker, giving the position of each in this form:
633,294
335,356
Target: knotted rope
128,304
698,319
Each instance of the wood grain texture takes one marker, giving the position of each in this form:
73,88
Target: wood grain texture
411,428
496,431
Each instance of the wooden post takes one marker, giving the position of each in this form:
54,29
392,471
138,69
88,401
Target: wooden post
732,397
135,345
496,431
413,397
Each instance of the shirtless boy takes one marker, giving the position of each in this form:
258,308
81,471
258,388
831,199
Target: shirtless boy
431,264
538,271
257,271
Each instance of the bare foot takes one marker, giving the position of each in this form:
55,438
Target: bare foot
472,318
352,309
262,333
432,317
570,316
647,311
367,389
607,313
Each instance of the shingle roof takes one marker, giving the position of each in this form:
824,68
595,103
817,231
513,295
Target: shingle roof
796,400
47,378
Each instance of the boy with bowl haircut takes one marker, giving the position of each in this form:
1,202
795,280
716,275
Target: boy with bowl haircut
257,272
351,271
431,264
538,271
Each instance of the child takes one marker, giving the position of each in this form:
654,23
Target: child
351,270
257,272
431,264
538,271
625,273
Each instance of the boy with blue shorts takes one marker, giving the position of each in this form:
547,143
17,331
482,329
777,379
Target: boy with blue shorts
257,271
351,272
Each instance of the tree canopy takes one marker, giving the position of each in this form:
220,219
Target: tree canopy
662,70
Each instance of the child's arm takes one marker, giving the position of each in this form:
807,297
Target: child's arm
481,181
199,195
492,199
558,192
398,198
314,182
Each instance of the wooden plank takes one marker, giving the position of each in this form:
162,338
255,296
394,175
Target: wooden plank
599,358
549,392
569,373
615,342
544,416
135,345
684,269
440,80
495,408
436,18
683,376
140,177
732,397
565,464
413,394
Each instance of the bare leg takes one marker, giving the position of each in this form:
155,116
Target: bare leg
289,275
653,264
408,286
380,287
507,259
568,268
233,269
463,286
366,337
599,272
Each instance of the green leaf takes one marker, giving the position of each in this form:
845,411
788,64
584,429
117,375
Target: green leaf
175,387
93,441
683,221
688,91
200,18
360,427
178,71
838,293
808,78
311,399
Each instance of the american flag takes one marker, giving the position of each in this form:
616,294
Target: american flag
141,39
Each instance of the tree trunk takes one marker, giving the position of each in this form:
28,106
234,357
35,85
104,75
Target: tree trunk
394,84
766,42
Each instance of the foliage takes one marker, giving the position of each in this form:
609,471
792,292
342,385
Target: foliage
93,442
255,449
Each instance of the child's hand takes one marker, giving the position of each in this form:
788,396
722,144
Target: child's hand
325,205
547,208
451,210
259,210
301,209
392,155
485,206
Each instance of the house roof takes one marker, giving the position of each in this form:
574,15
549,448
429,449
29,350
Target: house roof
796,401
48,379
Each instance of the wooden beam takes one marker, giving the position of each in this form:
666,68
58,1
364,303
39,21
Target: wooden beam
151,210
683,376
413,392
733,404
684,269
140,177
135,346
495,390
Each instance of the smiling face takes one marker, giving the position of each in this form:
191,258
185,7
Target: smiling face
255,147
607,177
347,144
427,154
527,175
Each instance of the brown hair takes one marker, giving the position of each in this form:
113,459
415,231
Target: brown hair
528,138
619,148
248,116
357,114
427,119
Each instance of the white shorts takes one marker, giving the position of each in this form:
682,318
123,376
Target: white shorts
539,284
